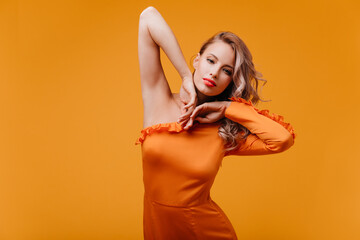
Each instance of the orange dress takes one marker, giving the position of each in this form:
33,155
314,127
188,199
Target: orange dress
179,168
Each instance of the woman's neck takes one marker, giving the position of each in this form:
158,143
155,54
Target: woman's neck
201,98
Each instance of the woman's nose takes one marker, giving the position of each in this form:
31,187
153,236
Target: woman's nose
214,72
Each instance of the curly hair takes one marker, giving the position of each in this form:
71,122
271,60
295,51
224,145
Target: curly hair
245,83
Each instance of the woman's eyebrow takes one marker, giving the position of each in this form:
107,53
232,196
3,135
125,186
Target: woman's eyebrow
218,59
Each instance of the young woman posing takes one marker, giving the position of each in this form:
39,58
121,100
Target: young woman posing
186,135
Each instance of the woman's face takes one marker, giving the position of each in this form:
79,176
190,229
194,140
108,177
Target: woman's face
214,68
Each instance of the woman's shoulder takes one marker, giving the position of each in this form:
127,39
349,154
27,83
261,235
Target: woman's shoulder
166,112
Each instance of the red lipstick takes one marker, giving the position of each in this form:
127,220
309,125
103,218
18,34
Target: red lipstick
208,82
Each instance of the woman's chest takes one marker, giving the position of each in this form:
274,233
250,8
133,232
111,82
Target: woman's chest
197,152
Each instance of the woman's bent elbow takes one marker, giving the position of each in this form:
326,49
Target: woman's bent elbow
282,144
147,12
286,142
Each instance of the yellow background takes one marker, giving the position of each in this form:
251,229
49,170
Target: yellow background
71,110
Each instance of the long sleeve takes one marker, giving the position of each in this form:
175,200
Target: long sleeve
269,133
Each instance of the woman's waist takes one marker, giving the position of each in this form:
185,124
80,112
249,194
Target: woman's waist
178,200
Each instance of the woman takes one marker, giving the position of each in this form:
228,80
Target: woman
186,135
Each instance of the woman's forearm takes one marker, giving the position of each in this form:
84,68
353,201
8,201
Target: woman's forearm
163,36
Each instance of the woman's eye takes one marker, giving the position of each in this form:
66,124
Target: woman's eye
228,72
210,61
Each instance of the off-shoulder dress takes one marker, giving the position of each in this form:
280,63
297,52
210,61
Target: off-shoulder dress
179,168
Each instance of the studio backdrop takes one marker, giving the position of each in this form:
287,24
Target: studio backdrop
71,111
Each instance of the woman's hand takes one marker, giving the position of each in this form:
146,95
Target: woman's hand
208,112
188,97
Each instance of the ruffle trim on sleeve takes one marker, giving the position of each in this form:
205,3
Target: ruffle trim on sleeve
161,127
277,118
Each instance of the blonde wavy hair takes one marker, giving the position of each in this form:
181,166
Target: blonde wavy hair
245,83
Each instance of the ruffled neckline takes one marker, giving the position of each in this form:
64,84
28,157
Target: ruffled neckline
174,127
277,118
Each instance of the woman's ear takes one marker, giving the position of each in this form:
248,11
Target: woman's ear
196,61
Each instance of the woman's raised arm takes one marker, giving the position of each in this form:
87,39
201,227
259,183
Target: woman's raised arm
154,33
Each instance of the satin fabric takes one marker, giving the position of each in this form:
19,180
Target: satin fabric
179,168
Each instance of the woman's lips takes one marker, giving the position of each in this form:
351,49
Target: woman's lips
209,82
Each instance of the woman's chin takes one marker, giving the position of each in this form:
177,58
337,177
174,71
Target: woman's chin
205,92
208,92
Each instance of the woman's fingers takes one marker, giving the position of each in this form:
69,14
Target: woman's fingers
192,102
184,117
205,113
188,106
183,123
189,124
186,113
183,109
192,116
199,109
188,99
203,120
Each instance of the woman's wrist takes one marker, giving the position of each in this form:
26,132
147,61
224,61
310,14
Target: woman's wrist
226,104
186,76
